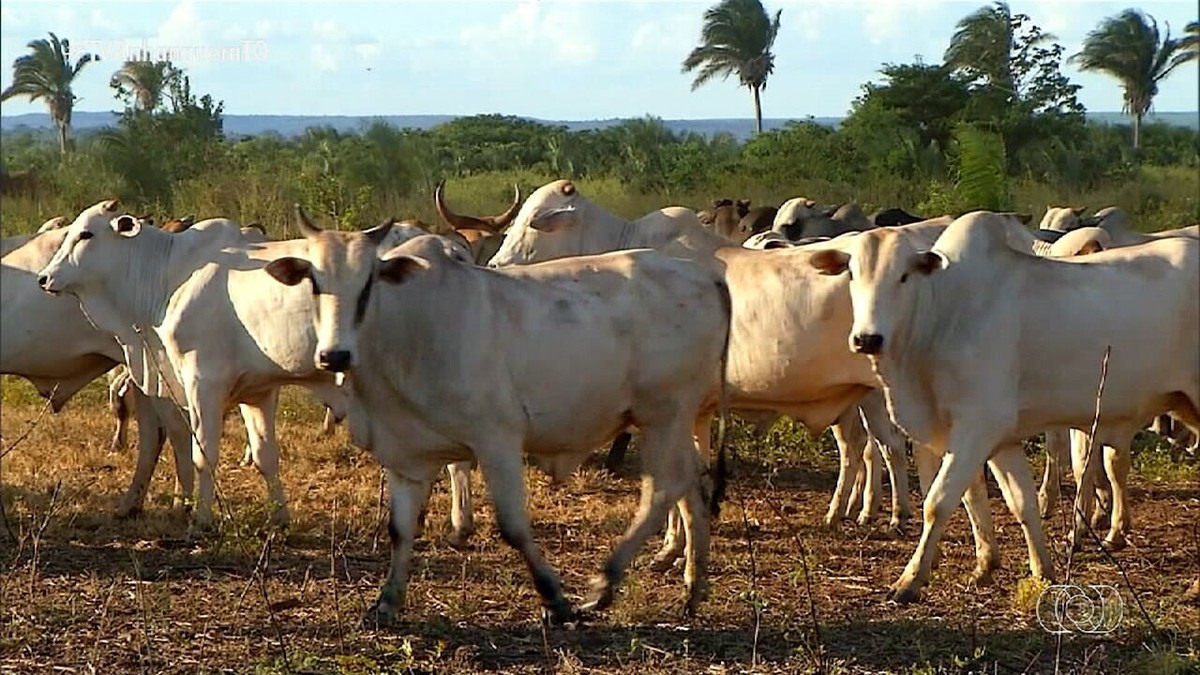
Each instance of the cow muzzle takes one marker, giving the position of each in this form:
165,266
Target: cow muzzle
868,343
335,360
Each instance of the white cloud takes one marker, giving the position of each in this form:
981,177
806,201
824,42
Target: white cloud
672,35
328,30
370,51
885,21
808,22
559,27
323,58
103,23
182,26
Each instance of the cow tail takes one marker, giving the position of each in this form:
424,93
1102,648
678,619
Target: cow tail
720,479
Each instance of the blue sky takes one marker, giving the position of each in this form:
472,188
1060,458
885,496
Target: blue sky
551,59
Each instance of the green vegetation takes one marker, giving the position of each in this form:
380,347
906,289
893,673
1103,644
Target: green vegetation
997,125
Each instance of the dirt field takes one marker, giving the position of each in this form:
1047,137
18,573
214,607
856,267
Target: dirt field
81,591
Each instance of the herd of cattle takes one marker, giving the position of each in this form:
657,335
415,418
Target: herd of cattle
557,327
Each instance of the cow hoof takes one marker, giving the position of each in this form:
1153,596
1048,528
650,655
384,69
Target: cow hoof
559,613
904,595
602,597
460,541
692,598
831,524
1113,543
981,576
128,511
665,560
380,615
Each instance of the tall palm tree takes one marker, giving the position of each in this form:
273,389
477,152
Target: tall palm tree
47,73
736,39
1129,47
144,81
983,44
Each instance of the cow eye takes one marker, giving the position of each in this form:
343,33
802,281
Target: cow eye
904,277
85,235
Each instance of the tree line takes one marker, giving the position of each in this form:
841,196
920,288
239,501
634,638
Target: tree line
996,113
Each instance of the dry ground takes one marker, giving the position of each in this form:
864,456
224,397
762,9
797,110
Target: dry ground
83,592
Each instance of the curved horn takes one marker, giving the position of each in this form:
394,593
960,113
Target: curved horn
504,219
452,219
306,226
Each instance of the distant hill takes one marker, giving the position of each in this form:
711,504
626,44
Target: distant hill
292,125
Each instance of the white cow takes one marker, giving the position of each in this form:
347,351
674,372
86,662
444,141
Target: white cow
786,355
767,240
452,362
49,341
196,322
954,335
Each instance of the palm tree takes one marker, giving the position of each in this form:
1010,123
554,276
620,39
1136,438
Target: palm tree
144,81
47,73
736,39
983,44
1129,47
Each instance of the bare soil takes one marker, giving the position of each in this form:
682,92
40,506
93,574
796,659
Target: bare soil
82,591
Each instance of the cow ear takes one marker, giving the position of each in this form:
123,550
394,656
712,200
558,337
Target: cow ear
553,220
830,262
126,225
111,205
828,211
776,244
401,268
1025,218
1078,210
289,271
929,262
1092,246
377,234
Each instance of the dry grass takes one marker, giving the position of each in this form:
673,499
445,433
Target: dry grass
106,596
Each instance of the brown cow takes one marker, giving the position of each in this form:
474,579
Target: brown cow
482,234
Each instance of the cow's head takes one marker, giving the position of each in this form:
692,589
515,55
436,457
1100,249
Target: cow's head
551,224
53,224
1061,218
342,269
492,224
885,269
86,254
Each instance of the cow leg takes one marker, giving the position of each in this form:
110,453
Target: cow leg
259,417
1011,470
850,436
979,512
674,537
892,443
1084,466
960,466
673,543
975,502
150,443
502,470
670,473
1116,466
206,405
1057,444
179,432
873,484
407,498
120,399
616,453
328,422
462,514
